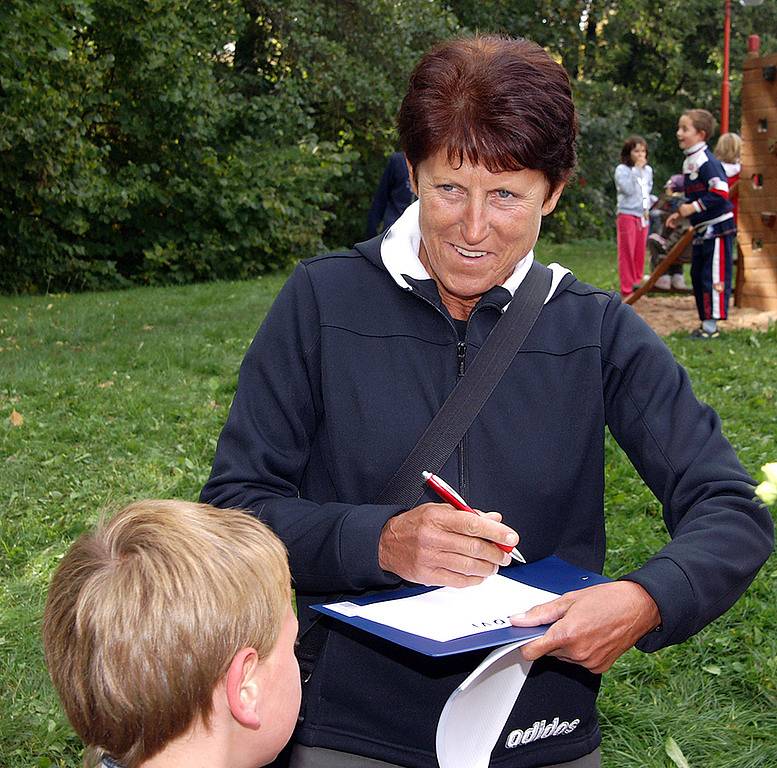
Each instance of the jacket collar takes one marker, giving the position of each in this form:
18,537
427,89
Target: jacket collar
695,148
397,250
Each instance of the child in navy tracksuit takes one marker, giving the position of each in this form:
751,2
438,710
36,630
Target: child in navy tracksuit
711,215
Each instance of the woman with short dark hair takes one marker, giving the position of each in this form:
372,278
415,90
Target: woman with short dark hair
500,103
357,355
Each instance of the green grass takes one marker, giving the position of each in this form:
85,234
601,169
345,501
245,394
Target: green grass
123,395
593,261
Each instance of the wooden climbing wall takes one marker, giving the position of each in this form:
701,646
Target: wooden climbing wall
757,223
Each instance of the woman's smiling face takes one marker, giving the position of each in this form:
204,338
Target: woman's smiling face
476,225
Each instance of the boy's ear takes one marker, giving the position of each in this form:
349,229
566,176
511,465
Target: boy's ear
243,688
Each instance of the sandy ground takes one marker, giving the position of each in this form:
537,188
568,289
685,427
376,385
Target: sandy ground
666,314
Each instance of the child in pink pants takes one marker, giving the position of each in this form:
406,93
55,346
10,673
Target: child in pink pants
634,183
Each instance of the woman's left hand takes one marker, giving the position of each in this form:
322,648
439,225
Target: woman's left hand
593,626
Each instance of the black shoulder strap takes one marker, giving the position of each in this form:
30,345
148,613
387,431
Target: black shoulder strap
450,424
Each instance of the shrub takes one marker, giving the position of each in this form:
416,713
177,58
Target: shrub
133,151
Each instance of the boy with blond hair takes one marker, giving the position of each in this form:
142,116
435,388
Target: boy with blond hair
169,636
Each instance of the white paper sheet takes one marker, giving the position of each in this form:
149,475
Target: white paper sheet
449,613
476,712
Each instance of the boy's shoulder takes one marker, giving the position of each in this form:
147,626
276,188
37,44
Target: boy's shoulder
702,162
711,157
712,162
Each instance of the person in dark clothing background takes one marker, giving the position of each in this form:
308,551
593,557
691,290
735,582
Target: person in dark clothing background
392,196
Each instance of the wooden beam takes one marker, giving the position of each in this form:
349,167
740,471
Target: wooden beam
662,266
739,280
760,260
762,303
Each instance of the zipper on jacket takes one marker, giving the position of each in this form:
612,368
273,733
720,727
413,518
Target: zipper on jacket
461,354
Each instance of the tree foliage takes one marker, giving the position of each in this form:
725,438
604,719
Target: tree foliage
348,62
635,66
177,140
131,150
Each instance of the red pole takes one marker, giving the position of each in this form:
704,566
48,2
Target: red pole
724,98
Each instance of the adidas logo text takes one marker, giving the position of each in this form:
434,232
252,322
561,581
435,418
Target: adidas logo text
540,730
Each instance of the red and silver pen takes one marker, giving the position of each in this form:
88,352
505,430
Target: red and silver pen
446,493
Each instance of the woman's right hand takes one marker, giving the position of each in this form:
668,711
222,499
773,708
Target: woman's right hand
437,545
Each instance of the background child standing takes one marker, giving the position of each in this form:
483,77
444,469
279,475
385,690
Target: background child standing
633,182
727,150
710,212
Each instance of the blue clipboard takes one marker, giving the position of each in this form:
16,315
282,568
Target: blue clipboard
551,574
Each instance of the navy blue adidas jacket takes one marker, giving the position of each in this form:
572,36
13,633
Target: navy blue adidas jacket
706,187
344,375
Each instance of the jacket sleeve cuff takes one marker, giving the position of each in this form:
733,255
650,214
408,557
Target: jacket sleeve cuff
359,538
668,585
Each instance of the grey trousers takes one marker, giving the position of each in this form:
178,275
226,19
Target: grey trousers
317,757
